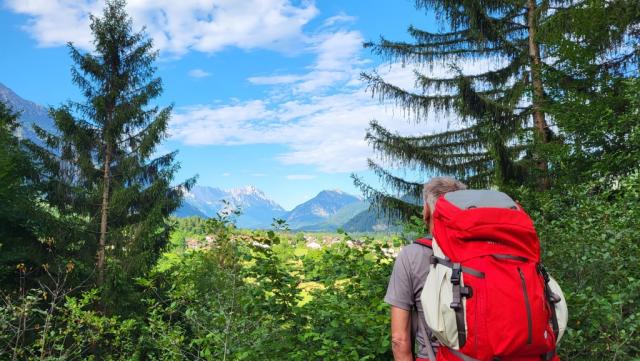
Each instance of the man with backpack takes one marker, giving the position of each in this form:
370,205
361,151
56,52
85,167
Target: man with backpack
477,291
409,274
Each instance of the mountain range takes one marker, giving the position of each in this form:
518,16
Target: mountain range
256,210
327,211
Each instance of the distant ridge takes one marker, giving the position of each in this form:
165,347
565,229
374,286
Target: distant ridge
327,211
257,210
30,113
320,208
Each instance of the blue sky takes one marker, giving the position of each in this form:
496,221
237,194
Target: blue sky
266,92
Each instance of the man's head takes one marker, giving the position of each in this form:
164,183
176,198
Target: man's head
432,190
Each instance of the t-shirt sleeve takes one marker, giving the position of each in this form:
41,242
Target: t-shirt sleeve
400,289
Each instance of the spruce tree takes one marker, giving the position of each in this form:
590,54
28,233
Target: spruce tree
502,110
100,164
596,47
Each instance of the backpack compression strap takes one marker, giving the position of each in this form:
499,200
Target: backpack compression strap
426,242
552,299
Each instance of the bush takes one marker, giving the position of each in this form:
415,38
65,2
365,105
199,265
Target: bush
39,326
591,243
249,295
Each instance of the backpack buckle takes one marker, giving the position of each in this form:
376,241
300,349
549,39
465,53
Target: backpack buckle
456,272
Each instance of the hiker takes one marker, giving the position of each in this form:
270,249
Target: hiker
477,290
407,279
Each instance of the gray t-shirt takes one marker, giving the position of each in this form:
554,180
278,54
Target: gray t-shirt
405,286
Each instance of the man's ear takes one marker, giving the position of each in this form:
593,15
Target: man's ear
426,213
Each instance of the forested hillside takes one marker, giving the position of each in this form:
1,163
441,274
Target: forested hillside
95,266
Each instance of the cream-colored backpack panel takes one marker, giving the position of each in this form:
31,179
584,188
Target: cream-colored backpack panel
436,298
562,311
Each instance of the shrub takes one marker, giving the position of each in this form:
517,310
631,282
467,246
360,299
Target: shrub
591,243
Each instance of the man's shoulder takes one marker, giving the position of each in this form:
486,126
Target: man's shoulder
416,247
415,250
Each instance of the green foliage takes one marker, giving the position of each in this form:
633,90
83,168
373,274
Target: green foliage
346,318
249,296
591,243
231,301
594,88
28,227
18,234
602,132
49,324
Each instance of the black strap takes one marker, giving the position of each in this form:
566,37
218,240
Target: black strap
426,337
510,256
462,356
449,264
552,306
457,305
415,316
552,299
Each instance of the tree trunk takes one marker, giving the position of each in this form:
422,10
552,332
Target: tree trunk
104,208
539,120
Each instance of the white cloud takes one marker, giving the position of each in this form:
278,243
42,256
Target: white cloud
177,26
337,50
337,62
340,18
300,176
275,79
228,124
198,73
324,131
226,174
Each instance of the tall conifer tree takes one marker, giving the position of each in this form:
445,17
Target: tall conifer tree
502,110
596,47
100,164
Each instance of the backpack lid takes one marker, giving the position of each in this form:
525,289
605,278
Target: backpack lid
480,198
472,223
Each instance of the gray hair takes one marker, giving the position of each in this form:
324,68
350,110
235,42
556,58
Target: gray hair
438,186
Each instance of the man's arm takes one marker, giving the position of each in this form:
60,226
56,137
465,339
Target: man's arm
401,334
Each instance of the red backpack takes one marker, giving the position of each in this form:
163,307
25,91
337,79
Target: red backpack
487,296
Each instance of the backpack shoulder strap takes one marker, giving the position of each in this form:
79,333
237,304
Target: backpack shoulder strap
427,242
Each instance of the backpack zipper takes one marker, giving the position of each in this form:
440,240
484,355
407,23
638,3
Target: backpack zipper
527,305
